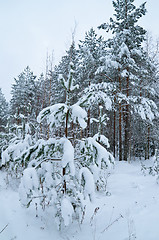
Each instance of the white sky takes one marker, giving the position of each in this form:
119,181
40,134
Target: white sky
30,28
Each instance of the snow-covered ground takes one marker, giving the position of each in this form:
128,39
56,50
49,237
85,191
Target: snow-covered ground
130,211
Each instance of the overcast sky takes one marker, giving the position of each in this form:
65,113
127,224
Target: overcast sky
30,28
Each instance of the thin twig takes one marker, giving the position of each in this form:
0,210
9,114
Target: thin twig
95,212
83,214
116,220
4,228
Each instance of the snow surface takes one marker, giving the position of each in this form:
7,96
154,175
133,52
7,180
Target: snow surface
130,211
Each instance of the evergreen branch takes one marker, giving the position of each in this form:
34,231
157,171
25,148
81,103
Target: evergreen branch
48,159
107,77
56,160
79,157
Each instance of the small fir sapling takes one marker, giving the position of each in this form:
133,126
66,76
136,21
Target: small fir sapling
101,121
53,162
62,180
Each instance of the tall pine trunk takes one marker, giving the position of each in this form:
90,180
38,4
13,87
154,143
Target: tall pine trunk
89,119
127,124
120,133
66,135
126,141
120,123
114,130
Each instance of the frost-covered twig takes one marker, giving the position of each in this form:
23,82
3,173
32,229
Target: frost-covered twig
58,185
95,212
111,216
4,228
28,204
83,214
116,220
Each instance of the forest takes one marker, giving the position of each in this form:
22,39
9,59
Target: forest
64,132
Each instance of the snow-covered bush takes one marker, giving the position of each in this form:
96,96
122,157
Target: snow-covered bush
151,166
86,181
48,186
29,185
12,157
97,159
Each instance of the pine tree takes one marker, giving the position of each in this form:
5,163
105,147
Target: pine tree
63,68
127,51
3,112
23,95
90,52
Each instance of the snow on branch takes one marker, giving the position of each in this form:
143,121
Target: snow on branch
56,115
97,93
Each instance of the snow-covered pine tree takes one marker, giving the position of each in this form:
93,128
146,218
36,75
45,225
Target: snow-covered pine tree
3,121
90,53
23,95
19,141
63,68
39,95
57,182
150,89
3,111
126,49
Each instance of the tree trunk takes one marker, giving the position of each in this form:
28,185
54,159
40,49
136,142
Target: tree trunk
127,124
114,132
88,124
147,145
100,123
120,123
148,142
126,142
88,121
66,135
120,134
